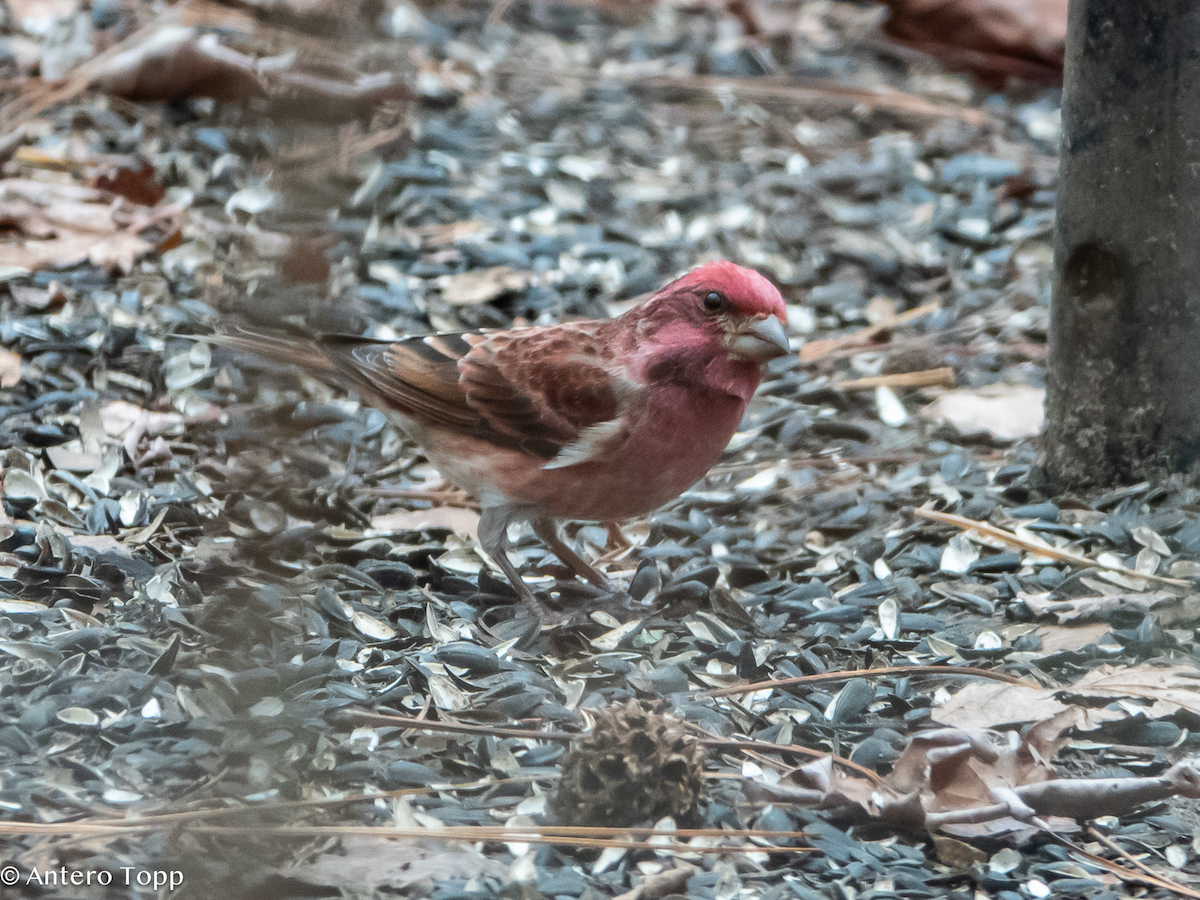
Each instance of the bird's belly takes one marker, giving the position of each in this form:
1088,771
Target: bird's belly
662,453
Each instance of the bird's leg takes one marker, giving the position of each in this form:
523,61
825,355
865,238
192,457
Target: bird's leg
493,536
545,530
616,537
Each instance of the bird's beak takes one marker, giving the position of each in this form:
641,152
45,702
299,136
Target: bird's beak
759,340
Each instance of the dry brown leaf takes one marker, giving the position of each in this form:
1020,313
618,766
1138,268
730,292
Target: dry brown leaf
1166,690
10,368
24,217
1056,639
974,781
938,761
957,854
48,193
1005,412
120,415
41,9
990,782
995,39
1000,705
481,285
60,252
59,224
43,217
965,781
1158,692
118,252
176,62
140,186
101,543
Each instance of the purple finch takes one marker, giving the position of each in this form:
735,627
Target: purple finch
598,420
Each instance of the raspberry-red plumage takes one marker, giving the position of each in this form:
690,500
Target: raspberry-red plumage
597,420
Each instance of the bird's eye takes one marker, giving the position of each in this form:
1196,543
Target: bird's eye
713,301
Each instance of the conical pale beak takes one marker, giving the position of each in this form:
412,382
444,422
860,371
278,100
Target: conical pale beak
760,340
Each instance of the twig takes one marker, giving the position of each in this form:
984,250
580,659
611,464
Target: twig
969,671
1144,875
814,350
578,836
712,742
814,93
436,496
166,816
382,720
1039,547
943,376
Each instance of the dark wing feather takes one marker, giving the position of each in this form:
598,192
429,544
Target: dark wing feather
416,375
542,387
534,390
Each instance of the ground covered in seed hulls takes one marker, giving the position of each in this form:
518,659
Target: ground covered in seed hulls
207,564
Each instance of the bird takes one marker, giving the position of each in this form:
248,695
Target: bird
594,420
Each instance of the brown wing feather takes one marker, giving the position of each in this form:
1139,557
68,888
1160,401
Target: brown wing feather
284,349
533,390
414,375
417,375
543,387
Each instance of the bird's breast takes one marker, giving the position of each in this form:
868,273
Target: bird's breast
667,443
665,446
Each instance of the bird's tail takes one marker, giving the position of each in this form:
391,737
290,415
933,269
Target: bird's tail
281,348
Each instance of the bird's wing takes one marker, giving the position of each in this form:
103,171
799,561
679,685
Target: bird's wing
559,392
555,393
416,375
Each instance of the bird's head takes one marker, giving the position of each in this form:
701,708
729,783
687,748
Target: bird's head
719,305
